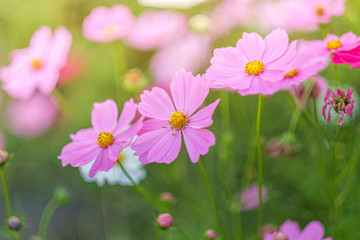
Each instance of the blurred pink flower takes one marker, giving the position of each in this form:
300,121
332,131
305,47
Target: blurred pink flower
74,68
32,117
250,199
160,138
333,44
155,29
323,10
38,66
340,102
108,24
348,57
314,231
255,65
190,52
105,141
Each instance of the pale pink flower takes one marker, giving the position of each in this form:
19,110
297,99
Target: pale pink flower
333,44
31,117
155,29
108,24
105,141
314,231
323,10
38,66
249,198
255,65
348,57
160,138
190,52
340,102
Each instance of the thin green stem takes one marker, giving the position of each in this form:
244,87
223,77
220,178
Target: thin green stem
334,172
213,201
260,163
119,67
49,210
158,234
336,76
225,109
140,189
6,193
315,110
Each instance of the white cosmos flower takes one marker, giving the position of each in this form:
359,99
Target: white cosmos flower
116,175
170,3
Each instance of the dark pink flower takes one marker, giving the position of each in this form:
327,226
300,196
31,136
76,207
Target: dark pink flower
348,57
165,220
340,102
105,141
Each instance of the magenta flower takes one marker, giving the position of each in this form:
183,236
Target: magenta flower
249,198
108,24
155,29
38,66
340,102
160,139
348,57
255,65
105,141
291,231
27,118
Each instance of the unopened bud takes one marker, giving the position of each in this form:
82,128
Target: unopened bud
14,223
200,23
165,220
167,197
269,229
4,157
280,236
211,234
134,79
61,195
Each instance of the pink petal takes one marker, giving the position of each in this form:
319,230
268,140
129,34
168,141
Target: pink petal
166,149
197,142
127,115
349,108
291,229
156,104
276,44
342,113
61,44
188,92
285,60
329,115
129,133
103,162
313,231
152,124
104,116
252,45
202,118
41,40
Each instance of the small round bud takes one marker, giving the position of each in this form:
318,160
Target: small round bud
14,223
200,23
269,229
134,79
211,234
61,195
167,197
280,236
165,220
4,157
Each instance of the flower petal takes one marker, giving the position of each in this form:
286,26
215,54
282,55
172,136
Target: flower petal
129,133
252,45
276,44
197,142
156,104
104,162
152,124
202,118
291,229
104,116
313,231
127,115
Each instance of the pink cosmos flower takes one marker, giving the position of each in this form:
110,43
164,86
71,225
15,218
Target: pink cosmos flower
333,44
155,29
255,65
160,139
291,231
348,57
108,24
105,141
323,10
340,102
38,66
249,198
32,117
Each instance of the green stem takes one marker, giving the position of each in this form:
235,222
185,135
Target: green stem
6,193
158,234
140,189
334,206
212,198
119,67
336,76
260,163
225,109
315,110
46,217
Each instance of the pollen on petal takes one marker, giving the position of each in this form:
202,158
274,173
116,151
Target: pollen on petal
105,139
254,67
36,63
291,73
178,120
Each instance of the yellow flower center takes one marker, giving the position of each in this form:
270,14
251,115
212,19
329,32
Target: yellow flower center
333,44
120,159
36,63
254,67
320,11
105,139
178,120
291,73
111,29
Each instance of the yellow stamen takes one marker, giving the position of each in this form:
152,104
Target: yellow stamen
291,73
178,120
320,11
36,63
333,44
254,67
105,139
120,159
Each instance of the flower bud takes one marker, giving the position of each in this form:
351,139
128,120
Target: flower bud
14,223
211,234
165,220
134,79
167,197
269,229
4,157
61,195
280,236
